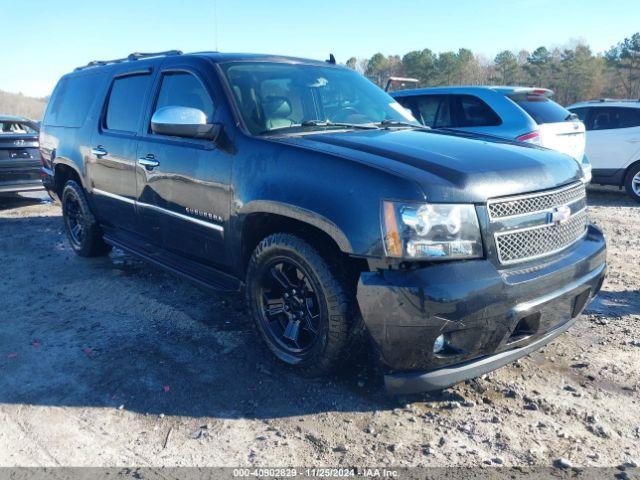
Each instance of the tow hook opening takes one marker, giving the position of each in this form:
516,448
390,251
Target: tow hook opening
444,346
525,328
580,302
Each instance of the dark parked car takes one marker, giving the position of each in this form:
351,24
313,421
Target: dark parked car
19,155
341,217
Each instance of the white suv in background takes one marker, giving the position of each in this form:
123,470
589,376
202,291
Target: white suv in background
613,141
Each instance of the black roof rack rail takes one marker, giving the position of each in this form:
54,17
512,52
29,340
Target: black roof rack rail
132,57
604,100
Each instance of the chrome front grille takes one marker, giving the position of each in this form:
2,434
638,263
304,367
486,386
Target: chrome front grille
525,204
545,240
532,226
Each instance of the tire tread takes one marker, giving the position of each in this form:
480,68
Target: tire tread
335,293
93,244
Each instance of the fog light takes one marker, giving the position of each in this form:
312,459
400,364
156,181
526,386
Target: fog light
440,344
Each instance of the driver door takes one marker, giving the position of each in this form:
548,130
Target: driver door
183,184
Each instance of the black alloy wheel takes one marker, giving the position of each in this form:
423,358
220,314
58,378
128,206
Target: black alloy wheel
74,220
83,231
301,304
290,307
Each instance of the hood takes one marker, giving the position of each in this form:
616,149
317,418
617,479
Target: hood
450,167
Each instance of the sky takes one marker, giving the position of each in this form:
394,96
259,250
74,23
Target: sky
43,39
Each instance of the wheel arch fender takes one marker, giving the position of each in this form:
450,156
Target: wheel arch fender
630,167
627,180
299,214
71,169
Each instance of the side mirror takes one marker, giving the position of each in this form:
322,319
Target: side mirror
183,122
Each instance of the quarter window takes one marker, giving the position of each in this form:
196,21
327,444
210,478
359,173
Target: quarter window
582,114
71,100
473,112
182,89
126,102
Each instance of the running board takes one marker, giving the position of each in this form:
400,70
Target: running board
207,277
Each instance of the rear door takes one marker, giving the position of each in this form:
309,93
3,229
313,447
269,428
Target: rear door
184,196
559,129
431,110
112,163
613,138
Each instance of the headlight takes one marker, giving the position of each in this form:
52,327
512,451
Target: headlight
586,170
431,231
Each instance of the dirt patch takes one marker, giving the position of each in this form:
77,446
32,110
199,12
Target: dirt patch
112,362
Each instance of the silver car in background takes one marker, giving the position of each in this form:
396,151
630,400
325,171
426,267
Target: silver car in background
523,114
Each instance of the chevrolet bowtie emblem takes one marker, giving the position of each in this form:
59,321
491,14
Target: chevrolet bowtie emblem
559,215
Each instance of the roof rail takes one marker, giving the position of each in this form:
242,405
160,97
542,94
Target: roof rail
603,100
132,57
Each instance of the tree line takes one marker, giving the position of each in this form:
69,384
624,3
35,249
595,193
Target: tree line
574,72
22,105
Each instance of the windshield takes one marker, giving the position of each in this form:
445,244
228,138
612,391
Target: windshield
277,97
16,128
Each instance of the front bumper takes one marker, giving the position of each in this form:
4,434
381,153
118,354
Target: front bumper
490,316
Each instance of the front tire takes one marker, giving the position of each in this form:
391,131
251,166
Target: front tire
632,182
83,231
300,305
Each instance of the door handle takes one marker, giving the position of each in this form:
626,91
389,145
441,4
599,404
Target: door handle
99,151
635,140
149,162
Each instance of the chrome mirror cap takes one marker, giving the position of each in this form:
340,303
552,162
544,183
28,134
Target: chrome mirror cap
182,122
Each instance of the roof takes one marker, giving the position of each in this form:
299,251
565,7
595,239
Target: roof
505,90
607,102
217,57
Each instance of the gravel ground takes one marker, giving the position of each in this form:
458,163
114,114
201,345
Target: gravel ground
112,362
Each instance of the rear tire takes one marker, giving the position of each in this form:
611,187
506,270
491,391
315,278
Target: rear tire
632,182
83,231
300,305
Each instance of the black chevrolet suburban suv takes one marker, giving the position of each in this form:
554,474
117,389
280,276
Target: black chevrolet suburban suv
342,218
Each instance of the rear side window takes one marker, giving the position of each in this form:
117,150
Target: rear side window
608,118
17,128
181,89
71,100
582,114
541,109
126,102
433,110
470,111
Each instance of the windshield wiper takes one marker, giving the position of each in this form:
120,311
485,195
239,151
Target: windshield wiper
394,123
329,123
322,123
